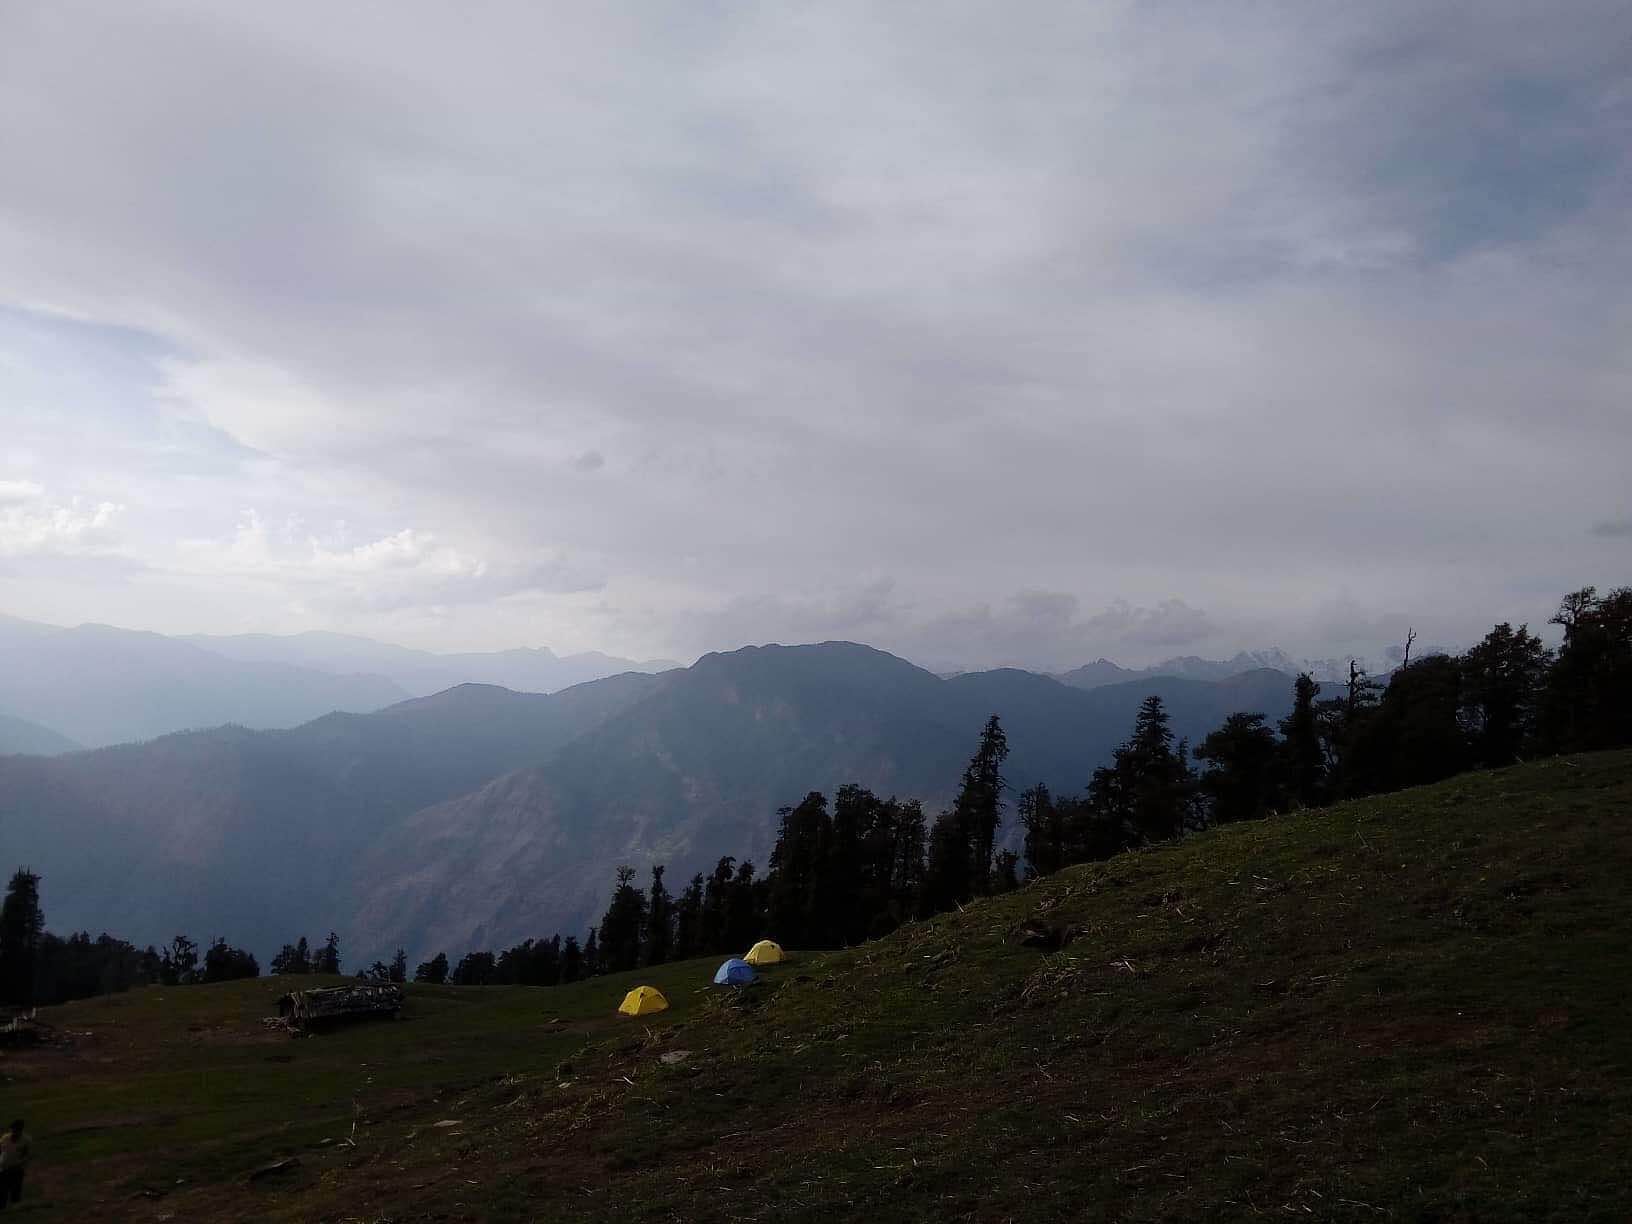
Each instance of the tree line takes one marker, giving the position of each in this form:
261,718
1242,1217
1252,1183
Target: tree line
859,867
38,968
862,865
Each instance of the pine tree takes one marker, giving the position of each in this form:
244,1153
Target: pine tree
594,960
688,920
474,969
623,925
1148,791
659,920
716,906
224,963
328,956
22,929
961,843
293,958
1302,764
398,971
1239,781
434,971
981,801
796,860
1045,847
572,960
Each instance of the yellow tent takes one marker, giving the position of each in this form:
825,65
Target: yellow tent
643,1001
765,953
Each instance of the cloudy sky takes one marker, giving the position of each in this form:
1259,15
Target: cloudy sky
982,332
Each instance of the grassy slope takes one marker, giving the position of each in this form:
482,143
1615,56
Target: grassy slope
1409,1008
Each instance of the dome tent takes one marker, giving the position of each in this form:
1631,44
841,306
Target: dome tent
643,1001
734,972
766,952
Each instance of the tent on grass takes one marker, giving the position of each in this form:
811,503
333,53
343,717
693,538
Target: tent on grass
734,973
643,1001
766,952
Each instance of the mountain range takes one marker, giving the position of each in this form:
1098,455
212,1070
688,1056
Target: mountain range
96,685
1103,671
479,815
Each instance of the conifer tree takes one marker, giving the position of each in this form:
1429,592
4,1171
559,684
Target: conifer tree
716,906
981,801
434,971
594,960
688,920
960,844
796,860
1045,845
293,958
659,920
1239,781
22,928
572,960
398,970
224,963
328,956
1302,763
1147,792
623,925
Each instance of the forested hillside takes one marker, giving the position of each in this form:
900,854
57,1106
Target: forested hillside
1406,1007
240,833
700,768
410,827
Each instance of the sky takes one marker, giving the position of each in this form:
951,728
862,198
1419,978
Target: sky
987,334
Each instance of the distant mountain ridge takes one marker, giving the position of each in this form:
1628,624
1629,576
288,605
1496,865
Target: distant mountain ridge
97,685
18,735
479,816
1103,671
241,832
422,672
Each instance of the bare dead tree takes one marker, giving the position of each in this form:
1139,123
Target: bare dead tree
1410,636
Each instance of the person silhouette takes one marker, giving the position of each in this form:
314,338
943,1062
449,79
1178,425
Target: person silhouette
14,1154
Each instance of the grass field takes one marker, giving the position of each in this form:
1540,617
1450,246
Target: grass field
1407,1008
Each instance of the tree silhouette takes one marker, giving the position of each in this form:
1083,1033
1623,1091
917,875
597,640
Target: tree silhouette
1239,781
224,963
1302,763
22,927
328,956
659,920
293,958
434,971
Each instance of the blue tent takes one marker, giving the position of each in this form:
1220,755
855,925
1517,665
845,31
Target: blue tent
734,973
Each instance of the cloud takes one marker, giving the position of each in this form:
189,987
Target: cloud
16,492
405,569
36,526
1613,529
1030,315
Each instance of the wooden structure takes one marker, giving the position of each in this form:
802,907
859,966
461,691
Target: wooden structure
303,1010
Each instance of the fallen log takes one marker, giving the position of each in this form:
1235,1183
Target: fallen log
306,1010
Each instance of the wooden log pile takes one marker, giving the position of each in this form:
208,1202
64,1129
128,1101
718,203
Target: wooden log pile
304,1010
